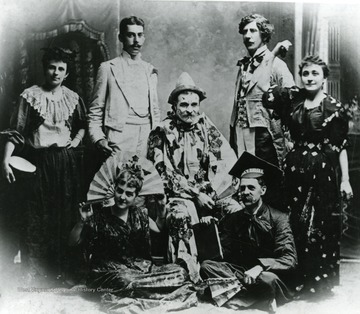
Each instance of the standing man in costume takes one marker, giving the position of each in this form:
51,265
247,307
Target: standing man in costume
258,244
252,128
124,107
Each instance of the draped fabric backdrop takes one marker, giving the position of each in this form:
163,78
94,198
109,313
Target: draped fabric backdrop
86,26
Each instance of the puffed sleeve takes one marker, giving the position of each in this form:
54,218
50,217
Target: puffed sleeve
281,100
18,124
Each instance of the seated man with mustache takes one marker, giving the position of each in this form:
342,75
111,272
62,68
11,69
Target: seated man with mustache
258,244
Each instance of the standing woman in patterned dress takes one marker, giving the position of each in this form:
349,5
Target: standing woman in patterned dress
318,126
48,123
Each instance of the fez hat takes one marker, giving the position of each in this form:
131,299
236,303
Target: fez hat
250,166
185,83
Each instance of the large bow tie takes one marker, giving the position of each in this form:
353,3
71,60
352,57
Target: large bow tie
254,62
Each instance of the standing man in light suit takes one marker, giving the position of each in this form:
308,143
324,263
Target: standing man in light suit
124,107
252,128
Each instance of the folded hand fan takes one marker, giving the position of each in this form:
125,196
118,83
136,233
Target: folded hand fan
102,186
223,289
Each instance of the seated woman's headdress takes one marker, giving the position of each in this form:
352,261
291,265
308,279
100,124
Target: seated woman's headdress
102,187
133,167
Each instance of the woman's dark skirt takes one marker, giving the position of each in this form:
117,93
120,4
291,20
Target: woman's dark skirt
313,200
52,209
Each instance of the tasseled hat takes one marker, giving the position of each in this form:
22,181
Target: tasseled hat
185,83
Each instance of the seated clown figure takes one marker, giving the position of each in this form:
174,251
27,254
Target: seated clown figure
193,158
258,244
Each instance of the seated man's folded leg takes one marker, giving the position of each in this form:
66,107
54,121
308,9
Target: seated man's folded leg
212,269
269,287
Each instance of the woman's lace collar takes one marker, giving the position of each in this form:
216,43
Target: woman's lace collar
52,110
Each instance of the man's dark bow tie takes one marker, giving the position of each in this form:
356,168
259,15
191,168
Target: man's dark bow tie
253,61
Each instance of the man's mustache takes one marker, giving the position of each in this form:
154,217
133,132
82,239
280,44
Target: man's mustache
191,114
246,198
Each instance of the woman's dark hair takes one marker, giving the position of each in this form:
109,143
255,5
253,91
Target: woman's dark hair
312,59
57,54
266,29
131,20
131,179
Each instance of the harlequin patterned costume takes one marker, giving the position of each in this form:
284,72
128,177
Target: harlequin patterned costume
188,158
311,189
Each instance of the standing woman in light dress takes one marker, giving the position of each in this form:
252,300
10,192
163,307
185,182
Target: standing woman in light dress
316,174
46,126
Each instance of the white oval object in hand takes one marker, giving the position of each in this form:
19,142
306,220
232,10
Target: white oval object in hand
21,164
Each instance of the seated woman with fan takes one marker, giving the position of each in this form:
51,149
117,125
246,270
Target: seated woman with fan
47,124
117,241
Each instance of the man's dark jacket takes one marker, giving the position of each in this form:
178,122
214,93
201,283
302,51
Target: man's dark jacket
264,238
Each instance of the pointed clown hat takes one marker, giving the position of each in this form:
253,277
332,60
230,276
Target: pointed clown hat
185,83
